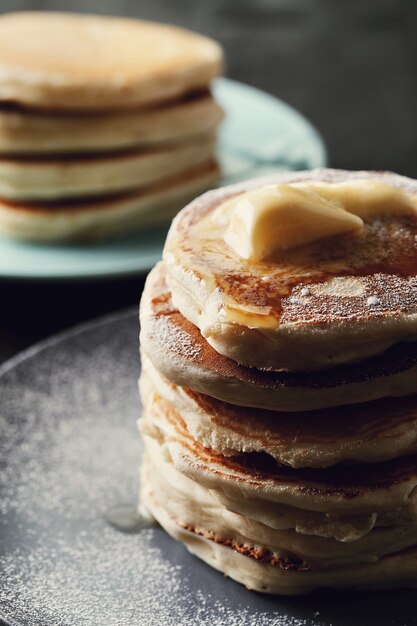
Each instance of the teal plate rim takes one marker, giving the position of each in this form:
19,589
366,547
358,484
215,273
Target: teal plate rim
260,134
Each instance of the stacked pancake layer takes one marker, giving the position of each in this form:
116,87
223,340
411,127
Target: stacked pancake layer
106,124
286,481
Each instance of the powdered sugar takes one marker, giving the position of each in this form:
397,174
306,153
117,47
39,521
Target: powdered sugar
71,452
373,301
172,338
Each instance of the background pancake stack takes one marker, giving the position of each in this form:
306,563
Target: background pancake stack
106,124
286,480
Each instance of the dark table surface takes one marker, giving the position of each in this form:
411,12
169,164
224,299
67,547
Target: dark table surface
350,67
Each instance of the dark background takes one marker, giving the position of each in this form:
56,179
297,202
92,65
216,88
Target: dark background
349,66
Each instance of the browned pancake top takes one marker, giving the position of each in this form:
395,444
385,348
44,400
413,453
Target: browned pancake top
76,61
72,205
171,333
372,420
383,257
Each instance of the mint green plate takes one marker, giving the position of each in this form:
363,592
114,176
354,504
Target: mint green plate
260,135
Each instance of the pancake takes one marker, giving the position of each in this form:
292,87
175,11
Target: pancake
310,308
94,218
66,61
28,131
365,433
343,527
53,178
177,350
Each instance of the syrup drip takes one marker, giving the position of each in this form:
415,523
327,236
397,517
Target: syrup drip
127,519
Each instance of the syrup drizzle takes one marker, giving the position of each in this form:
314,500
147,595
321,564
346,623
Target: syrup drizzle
127,519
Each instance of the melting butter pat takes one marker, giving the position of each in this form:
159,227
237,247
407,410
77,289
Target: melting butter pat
279,217
365,198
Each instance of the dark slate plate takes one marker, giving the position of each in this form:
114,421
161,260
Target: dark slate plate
69,452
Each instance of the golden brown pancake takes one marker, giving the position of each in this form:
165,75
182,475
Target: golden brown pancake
67,61
177,349
97,217
27,131
82,175
308,308
363,433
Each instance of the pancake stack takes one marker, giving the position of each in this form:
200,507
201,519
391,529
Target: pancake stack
107,125
280,415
